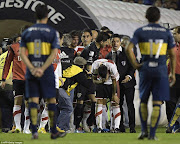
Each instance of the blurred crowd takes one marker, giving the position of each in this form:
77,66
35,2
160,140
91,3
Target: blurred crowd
169,4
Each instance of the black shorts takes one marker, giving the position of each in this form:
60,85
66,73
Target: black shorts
18,87
103,91
80,93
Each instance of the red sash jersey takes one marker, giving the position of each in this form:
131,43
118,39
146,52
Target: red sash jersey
57,59
177,52
19,68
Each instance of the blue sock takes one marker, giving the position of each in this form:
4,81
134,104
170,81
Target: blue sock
52,115
143,112
155,116
33,116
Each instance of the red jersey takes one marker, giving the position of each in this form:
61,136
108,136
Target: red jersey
177,51
104,51
19,68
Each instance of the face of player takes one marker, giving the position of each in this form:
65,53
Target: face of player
75,41
94,35
107,77
116,43
176,35
86,38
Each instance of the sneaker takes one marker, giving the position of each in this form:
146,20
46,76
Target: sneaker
143,135
175,128
169,130
17,131
60,130
122,130
58,135
35,136
12,130
105,130
153,138
117,130
27,131
79,131
42,130
86,128
132,130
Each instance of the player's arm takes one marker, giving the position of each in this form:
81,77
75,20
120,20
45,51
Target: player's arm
172,57
131,56
7,65
50,59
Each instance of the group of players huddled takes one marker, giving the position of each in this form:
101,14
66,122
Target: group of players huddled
66,81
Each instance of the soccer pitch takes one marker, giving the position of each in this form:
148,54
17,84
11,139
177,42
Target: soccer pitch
91,138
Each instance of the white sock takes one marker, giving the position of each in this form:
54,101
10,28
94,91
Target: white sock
44,118
117,116
104,116
17,116
86,114
27,119
112,118
98,116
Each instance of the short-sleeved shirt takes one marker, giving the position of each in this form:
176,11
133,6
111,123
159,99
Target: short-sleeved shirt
111,66
40,39
153,41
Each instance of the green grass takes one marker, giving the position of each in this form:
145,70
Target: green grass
93,138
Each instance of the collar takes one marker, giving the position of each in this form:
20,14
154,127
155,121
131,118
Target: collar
119,49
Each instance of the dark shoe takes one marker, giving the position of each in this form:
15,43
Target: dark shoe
153,138
132,130
122,130
117,130
35,135
143,135
169,130
58,135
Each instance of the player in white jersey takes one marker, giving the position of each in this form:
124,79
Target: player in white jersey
106,76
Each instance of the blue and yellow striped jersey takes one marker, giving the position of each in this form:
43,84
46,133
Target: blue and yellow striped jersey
153,41
39,40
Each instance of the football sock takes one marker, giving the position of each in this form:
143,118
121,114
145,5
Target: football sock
175,115
27,119
78,112
104,116
98,116
17,116
143,112
33,116
155,116
52,116
44,118
117,116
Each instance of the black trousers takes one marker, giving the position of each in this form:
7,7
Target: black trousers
129,95
174,96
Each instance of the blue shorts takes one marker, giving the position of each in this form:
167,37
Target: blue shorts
40,87
156,82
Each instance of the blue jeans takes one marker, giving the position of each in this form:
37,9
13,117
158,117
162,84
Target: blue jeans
66,109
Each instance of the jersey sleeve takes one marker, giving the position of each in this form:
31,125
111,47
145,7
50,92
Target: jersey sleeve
114,72
55,42
171,42
135,38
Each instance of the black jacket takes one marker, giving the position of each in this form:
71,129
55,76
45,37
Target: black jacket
124,68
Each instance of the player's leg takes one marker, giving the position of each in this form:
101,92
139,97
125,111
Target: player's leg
18,98
155,116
